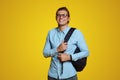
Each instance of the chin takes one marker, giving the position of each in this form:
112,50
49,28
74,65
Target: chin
62,24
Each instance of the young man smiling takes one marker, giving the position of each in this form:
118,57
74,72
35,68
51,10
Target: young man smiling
61,67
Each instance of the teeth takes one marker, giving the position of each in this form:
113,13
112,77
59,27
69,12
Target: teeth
61,20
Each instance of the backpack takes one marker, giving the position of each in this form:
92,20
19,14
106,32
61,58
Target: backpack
80,64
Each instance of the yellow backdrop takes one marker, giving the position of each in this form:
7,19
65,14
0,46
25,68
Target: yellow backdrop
23,29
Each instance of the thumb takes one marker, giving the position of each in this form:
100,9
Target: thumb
65,43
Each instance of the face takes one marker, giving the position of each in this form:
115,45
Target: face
62,18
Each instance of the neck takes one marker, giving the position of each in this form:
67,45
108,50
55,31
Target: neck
62,27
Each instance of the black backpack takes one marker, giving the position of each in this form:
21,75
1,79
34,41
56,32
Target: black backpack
80,64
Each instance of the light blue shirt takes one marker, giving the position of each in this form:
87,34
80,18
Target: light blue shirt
54,39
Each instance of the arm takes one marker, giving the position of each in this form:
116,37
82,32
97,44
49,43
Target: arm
48,50
82,46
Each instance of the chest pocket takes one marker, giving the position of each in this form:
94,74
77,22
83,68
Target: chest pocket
54,42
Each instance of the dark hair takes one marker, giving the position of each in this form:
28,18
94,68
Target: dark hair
63,8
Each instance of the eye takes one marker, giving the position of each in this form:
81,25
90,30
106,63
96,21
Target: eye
61,15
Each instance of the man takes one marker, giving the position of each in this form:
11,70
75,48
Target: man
61,67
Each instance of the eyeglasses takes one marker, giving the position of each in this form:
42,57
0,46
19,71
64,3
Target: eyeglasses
62,15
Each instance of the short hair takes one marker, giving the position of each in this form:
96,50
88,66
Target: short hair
63,8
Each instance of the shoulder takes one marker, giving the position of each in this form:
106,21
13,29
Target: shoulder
52,31
78,34
77,31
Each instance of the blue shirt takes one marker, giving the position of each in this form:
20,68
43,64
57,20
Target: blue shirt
54,39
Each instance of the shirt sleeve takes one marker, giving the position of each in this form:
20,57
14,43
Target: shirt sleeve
84,52
48,50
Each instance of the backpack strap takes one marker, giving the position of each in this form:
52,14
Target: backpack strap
67,37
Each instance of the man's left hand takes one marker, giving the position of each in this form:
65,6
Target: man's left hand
64,57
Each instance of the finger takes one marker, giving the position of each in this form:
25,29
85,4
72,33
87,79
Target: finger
58,57
65,43
62,42
59,54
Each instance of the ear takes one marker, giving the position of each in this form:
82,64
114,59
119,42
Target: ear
68,19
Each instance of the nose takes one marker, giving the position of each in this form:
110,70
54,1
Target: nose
61,16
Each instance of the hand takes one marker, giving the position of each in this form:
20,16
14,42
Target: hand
64,57
62,47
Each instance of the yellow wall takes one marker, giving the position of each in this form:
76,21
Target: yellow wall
24,25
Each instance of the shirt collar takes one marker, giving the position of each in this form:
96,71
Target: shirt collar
65,30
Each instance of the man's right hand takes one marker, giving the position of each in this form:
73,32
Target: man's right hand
62,47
